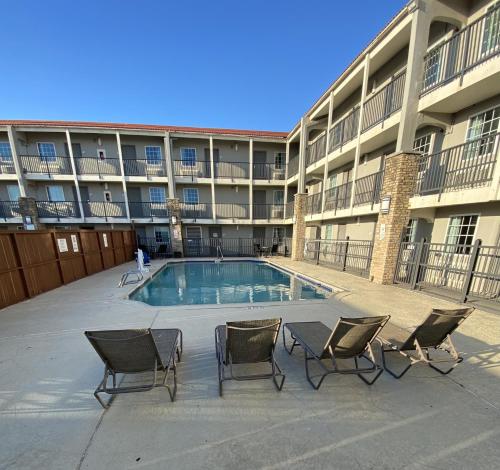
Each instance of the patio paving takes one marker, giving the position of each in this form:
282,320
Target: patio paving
50,419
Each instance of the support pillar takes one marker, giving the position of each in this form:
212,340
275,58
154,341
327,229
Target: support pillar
29,213
299,227
174,209
399,185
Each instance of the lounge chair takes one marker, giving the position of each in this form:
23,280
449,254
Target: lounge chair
350,339
248,342
434,333
135,352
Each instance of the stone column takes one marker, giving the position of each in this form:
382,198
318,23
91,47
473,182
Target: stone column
173,207
299,227
29,213
399,184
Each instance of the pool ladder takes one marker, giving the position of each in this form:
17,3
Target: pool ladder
220,255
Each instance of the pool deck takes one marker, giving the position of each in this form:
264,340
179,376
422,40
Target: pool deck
48,371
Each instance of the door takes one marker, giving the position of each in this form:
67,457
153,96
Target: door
206,170
134,198
341,233
259,205
259,237
215,235
259,164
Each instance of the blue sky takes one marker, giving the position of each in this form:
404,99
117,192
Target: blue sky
220,63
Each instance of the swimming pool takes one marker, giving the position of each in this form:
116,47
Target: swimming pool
206,282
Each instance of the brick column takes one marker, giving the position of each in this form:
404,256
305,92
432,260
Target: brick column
175,228
299,227
29,213
399,184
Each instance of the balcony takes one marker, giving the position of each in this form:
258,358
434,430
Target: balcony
7,167
344,130
293,166
268,211
338,197
232,211
231,170
97,166
58,210
268,171
9,210
49,166
104,209
368,188
190,169
467,48
316,151
148,210
289,209
202,210
144,167
384,103
313,203
461,167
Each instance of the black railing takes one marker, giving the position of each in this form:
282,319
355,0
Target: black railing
231,170
368,188
194,247
202,210
57,209
469,47
97,166
7,167
148,210
268,171
107,210
46,165
293,166
344,130
338,197
155,248
354,256
9,209
313,203
383,103
268,211
316,151
197,169
144,167
464,166
232,211
289,209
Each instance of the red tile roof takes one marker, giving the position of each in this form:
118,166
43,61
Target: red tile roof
145,127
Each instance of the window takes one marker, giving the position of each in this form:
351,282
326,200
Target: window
157,194
279,160
410,231
278,196
461,230
331,182
5,152
423,144
329,232
55,193
481,126
13,192
47,151
191,196
193,231
188,156
491,34
432,67
162,235
153,155
278,234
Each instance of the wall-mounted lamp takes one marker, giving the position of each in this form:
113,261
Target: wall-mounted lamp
173,219
385,205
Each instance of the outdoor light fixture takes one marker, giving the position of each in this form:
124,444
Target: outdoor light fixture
173,219
385,205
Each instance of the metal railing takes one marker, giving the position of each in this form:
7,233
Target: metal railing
463,272
202,210
338,197
268,171
316,151
197,169
383,103
289,209
467,48
148,210
57,209
368,188
9,210
293,166
155,248
96,166
143,167
232,170
7,167
464,166
268,211
46,165
232,210
313,203
354,256
345,130
237,246
105,209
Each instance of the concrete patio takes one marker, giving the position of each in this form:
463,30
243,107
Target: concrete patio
50,419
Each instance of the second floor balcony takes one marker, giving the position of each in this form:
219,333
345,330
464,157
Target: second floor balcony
368,188
316,151
144,167
7,166
97,167
58,210
344,130
268,211
148,210
105,209
46,165
338,197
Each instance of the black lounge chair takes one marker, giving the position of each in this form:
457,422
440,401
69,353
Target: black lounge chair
434,333
248,342
350,339
135,352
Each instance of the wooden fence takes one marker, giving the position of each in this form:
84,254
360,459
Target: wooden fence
39,261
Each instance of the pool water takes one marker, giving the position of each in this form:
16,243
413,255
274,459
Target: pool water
193,283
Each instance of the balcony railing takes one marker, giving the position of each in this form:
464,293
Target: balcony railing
198,169
107,210
338,197
9,209
46,165
143,167
463,166
316,151
313,203
367,190
463,51
96,166
383,103
148,210
268,171
58,209
293,166
344,130
289,209
268,211
202,210
231,170
231,211
7,167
